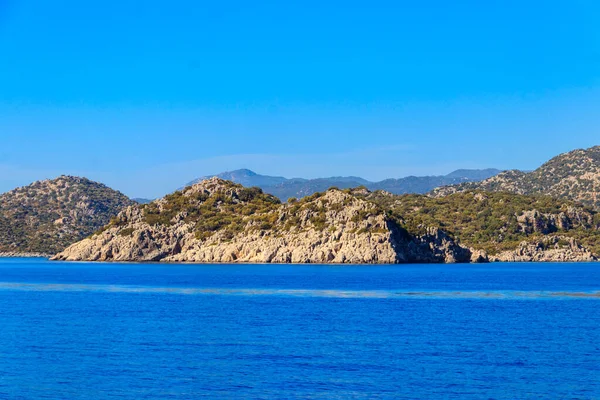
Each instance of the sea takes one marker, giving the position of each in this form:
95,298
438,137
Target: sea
189,331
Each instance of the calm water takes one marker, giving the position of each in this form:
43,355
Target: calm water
147,331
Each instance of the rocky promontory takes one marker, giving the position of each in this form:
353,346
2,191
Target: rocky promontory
217,221
548,249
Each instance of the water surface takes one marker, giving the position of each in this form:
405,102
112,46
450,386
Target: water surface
154,331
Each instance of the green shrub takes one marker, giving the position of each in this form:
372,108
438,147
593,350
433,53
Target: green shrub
126,232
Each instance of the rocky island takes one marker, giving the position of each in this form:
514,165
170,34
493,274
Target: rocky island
217,221
550,214
46,216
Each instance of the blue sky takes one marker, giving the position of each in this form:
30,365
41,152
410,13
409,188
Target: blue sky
145,96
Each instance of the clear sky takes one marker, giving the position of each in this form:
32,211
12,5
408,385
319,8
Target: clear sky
147,95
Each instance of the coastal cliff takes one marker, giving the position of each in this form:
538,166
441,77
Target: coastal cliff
217,221
549,249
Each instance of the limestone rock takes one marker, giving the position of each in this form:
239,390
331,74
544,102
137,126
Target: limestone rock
334,227
549,249
479,256
216,221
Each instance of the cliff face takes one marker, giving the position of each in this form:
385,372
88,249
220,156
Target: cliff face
499,224
574,176
548,249
47,216
218,221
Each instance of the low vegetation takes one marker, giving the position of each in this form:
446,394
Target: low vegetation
231,211
493,221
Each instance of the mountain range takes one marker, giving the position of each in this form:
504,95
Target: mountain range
284,188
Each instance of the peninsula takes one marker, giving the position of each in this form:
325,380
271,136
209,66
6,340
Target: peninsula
217,221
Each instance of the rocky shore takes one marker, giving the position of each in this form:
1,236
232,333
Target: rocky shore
333,228
550,249
12,254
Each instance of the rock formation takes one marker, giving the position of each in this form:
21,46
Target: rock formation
217,221
334,227
548,249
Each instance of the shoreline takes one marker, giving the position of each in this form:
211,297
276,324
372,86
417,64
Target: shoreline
10,254
50,257
495,262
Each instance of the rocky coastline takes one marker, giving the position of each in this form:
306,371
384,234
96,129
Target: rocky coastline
551,249
15,254
335,227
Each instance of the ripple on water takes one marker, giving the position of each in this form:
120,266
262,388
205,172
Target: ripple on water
318,293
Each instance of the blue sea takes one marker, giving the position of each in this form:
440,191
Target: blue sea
183,331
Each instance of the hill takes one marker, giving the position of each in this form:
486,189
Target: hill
573,176
219,221
47,216
284,188
505,226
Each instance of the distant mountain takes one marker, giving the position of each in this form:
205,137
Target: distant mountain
247,178
141,200
47,216
284,188
573,176
473,174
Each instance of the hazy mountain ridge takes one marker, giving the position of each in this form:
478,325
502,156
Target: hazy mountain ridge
574,175
141,200
219,221
284,188
49,215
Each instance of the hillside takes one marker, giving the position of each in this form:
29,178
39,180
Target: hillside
47,216
284,188
219,221
499,223
574,176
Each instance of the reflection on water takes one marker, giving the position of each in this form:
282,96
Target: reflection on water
350,294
